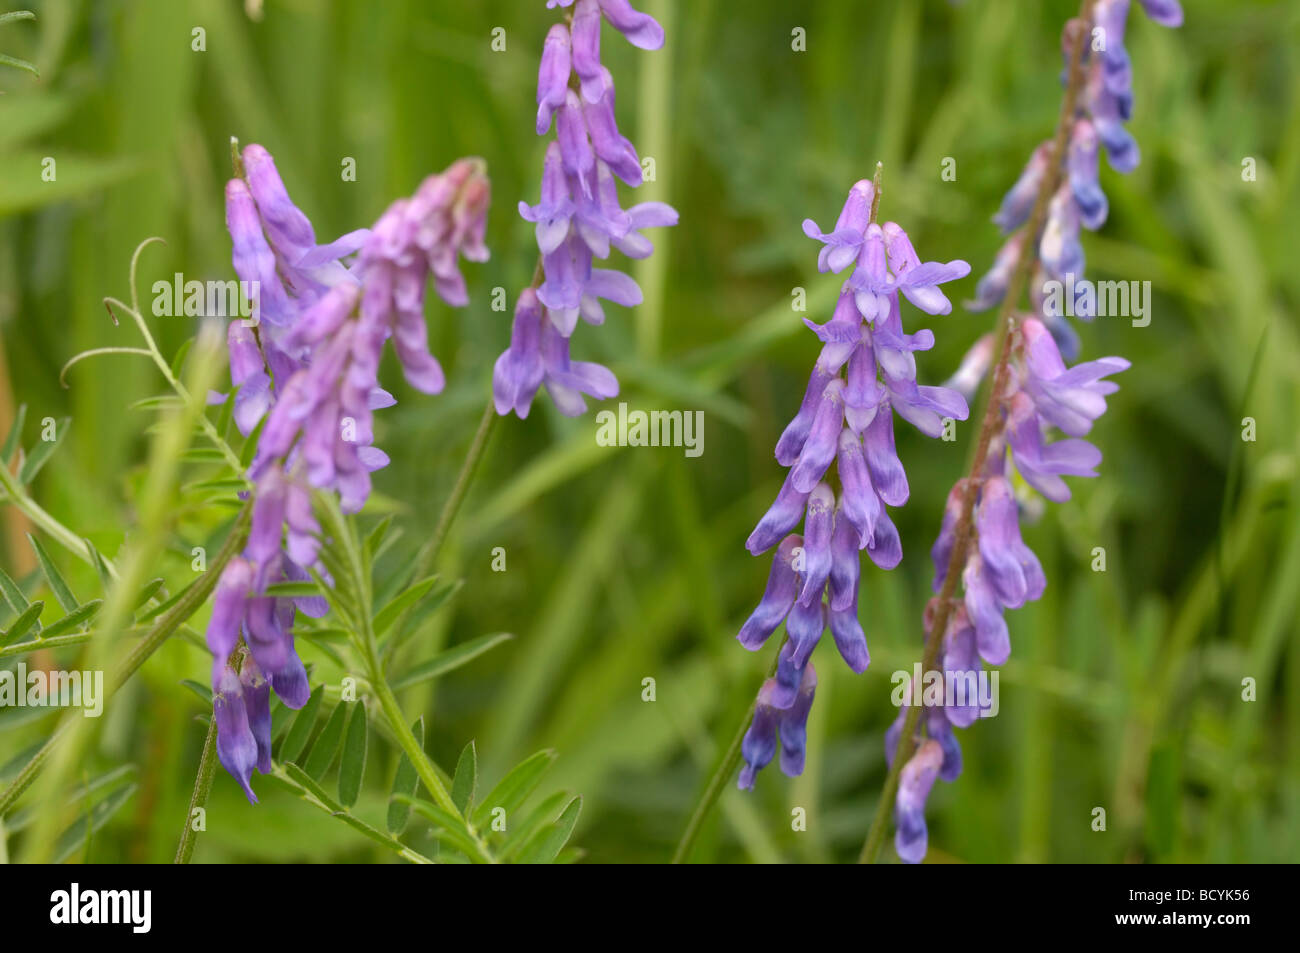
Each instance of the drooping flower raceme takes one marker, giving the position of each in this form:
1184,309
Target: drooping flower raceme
1041,394
843,432
1105,105
578,219
310,369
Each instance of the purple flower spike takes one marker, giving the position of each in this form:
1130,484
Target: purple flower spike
782,585
941,552
816,561
914,785
310,372
579,217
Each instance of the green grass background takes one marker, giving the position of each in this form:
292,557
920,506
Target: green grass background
1124,688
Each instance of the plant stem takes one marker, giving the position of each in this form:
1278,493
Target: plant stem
717,782
199,797
429,553
989,426
162,630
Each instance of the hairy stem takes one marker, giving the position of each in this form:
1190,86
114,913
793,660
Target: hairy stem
989,427
199,796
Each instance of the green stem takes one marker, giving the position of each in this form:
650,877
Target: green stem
721,776
171,620
429,553
199,796
990,424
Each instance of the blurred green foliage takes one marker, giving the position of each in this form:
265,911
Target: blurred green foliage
1125,687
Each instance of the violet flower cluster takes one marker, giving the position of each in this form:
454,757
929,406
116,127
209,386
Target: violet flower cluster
1041,394
578,218
1105,104
307,373
844,431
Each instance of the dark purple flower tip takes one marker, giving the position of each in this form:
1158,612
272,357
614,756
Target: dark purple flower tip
961,660
1082,166
257,704
792,439
792,725
778,597
914,784
939,729
290,681
892,735
1011,567
803,626
759,744
782,516
823,438
1020,199
641,30
885,548
859,504
1070,399
814,564
887,474
1165,12
237,748
1042,465
552,76
985,613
